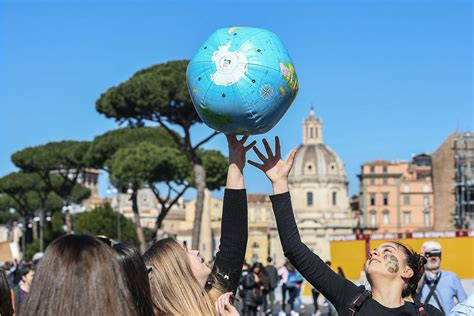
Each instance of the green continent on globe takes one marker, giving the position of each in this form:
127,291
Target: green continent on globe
214,118
291,79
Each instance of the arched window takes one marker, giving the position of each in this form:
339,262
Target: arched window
334,198
385,217
309,198
373,218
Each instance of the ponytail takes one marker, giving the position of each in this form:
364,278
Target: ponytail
417,263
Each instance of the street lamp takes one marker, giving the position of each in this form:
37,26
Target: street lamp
110,191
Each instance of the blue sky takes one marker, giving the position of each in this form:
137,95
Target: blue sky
388,78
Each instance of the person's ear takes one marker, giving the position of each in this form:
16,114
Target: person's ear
407,272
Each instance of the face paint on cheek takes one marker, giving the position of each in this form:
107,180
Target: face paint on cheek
391,263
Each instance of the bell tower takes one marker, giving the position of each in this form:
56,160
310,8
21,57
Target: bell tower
312,129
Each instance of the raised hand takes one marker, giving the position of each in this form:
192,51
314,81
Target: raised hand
237,158
224,307
274,167
238,150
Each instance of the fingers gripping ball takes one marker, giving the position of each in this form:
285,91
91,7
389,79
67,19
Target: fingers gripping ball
242,80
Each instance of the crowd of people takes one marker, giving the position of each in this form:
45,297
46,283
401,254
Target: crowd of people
81,274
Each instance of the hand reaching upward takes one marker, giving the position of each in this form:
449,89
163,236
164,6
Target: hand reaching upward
237,158
274,167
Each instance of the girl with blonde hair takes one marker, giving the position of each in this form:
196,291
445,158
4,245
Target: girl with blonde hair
181,282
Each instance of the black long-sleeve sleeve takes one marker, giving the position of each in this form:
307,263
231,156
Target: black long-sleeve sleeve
335,288
234,235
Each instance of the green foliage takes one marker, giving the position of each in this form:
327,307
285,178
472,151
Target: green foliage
103,221
155,93
105,146
26,193
57,164
215,164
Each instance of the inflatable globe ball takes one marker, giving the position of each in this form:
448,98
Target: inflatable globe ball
242,80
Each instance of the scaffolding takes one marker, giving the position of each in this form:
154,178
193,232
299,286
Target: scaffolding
464,180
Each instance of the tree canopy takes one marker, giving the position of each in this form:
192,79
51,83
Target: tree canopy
103,221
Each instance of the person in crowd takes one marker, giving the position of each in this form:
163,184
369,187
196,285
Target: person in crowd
137,278
6,304
293,286
241,290
79,275
272,278
439,288
181,282
283,274
253,288
392,269
21,290
315,295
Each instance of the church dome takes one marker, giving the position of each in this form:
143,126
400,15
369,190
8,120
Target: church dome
314,159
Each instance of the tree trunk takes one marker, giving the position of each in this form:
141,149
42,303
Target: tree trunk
200,181
136,219
34,229
68,219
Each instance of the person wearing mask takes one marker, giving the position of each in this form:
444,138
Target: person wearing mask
272,277
392,269
181,282
439,288
79,275
136,275
20,292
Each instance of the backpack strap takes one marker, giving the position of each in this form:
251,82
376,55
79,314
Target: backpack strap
358,300
421,309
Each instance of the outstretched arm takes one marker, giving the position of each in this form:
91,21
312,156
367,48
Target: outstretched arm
334,287
234,228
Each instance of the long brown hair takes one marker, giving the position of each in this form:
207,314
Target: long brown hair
79,275
175,290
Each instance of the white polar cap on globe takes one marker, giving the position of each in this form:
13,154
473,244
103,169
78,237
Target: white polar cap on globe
430,245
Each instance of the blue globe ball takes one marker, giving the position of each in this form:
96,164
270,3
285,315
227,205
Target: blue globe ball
242,80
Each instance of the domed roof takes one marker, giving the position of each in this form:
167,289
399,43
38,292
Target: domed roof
314,159
317,160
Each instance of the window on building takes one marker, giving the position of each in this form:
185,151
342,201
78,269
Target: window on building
406,217
309,198
385,180
385,198
372,199
317,132
426,218
334,198
385,217
406,200
372,168
384,169
311,132
372,181
373,218
426,200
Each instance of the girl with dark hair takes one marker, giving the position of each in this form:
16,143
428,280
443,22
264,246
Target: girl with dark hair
393,270
252,285
6,305
137,278
181,282
79,275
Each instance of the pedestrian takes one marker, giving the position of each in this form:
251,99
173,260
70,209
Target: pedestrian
136,274
393,270
293,286
79,275
440,288
272,278
6,304
253,286
283,273
21,290
181,282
